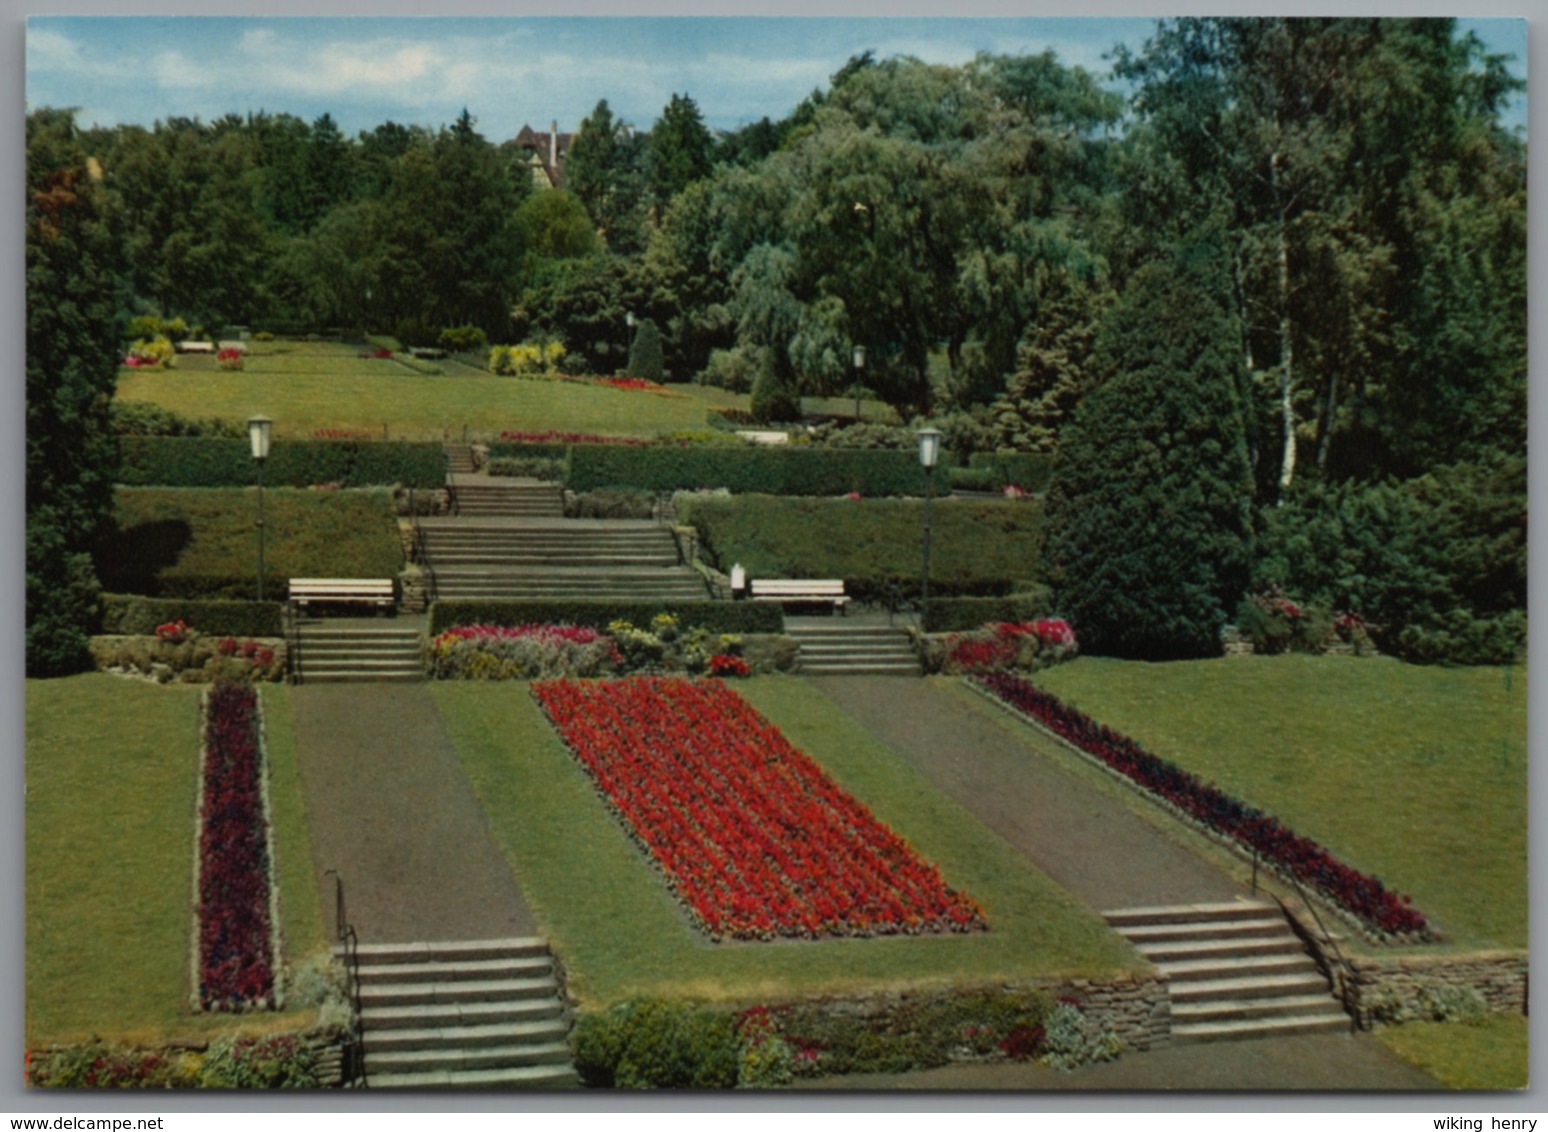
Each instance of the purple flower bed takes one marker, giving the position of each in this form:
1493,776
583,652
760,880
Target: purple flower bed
235,934
1363,896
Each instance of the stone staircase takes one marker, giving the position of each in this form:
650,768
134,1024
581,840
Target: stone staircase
492,497
481,1014
558,559
459,459
359,649
1236,970
833,647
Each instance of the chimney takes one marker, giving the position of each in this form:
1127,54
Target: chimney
553,151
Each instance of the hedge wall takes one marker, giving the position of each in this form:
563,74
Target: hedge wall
716,616
774,469
963,614
201,461
1028,470
132,615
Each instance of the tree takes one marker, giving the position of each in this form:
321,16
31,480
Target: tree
72,364
553,225
601,170
645,353
678,152
1149,534
773,399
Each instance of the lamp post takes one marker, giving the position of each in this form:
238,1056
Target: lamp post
929,452
258,429
859,357
629,321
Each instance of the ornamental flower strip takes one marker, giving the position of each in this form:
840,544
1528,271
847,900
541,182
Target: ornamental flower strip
1362,896
235,932
754,838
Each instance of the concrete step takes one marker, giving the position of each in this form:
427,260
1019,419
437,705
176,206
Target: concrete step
377,953
1163,953
1144,933
1184,970
1307,980
417,1017
353,677
521,1077
900,669
496,1035
455,990
1241,1009
1122,918
455,1058
501,967
1190,1032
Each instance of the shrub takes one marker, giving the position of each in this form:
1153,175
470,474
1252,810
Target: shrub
1275,624
152,353
231,358
734,369
521,652
1002,646
645,359
534,467
713,616
192,658
133,615
462,339
1426,1000
773,399
657,1044
1030,471
958,614
1071,1039
615,503
96,1065
141,418
279,1061
411,333
208,461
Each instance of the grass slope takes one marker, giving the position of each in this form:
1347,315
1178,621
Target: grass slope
112,772
622,935
322,385
198,541
1415,774
1487,1053
972,542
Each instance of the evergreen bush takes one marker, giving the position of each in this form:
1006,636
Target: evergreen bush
645,358
213,461
773,399
134,615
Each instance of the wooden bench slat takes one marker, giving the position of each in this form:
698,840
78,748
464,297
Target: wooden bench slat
378,591
798,589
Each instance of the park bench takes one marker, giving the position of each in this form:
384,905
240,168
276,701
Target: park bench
792,591
378,592
196,347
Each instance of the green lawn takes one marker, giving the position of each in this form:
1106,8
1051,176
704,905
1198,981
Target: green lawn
200,541
313,386
1415,774
112,771
1489,1053
621,934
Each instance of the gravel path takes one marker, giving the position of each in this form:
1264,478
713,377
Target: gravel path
1084,839
390,809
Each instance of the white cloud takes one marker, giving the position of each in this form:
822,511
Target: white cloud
172,70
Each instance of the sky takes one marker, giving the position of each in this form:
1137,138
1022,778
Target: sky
511,71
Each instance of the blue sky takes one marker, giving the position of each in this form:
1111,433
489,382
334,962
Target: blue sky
513,70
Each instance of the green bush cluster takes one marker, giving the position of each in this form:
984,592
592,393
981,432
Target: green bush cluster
198,659
1431,1000
517,658
134,615
515,450
612,503
961,614
1275,624
1030,471
209,461
657,1044
714,616
142,418
535,467
778,469
276,1061
199,542
979,548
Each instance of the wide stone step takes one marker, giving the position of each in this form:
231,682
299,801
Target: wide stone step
1189,1032
377,953
1184,970
1241,1009
911,669
1148,933
521,1077
502,967
310,677
455,990
1308,980
496,1035
1122,918
463,1058
530,559
450,1015
884,650
1166,952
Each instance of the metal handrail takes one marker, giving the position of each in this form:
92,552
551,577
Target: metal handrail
420,548
354,1065
293,641
1332,941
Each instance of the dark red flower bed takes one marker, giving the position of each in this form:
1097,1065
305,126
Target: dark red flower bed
756,840
1363,896
552,436
636,383
235,933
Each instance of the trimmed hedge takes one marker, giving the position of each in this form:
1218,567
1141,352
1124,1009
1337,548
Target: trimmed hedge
202,461
964,614
132,615
716,616
799,469
1030,471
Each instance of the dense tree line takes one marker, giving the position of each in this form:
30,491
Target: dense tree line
1011,242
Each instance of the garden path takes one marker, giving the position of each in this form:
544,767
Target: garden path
1086,840
392,811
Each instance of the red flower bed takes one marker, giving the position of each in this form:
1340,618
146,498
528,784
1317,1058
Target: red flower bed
235,933
638,383
554,437
1363,896
754,838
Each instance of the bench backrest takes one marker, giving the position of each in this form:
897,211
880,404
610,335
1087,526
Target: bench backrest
321,588
780,587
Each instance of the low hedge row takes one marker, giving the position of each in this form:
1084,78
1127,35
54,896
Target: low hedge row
133,615
715,616
209,461
1030,471
772,470
963,614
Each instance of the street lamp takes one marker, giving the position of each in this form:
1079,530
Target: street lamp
629,322
859,376
258,429
929,452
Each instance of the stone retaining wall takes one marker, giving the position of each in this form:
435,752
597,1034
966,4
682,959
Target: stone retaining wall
1499,976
